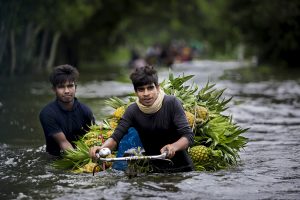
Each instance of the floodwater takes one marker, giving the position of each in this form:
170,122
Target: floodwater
269,167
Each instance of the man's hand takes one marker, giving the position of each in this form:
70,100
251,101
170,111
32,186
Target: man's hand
109,143
169,148
93,151
179,145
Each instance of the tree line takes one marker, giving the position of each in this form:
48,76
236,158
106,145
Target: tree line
37,35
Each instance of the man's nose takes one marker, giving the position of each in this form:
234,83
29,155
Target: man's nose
67,90
146,92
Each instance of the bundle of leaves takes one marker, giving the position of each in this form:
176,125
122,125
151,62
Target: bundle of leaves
78,160
217,140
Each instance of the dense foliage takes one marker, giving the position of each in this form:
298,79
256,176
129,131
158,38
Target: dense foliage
36,35
270,28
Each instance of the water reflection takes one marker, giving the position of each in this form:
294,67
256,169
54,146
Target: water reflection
269,167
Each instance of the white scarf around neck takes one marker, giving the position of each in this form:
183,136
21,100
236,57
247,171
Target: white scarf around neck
155,106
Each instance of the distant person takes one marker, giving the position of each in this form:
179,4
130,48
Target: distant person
152,54
65,119
136,60
186,54
167,56
160,122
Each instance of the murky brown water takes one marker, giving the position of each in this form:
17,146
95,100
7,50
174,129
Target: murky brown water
269,168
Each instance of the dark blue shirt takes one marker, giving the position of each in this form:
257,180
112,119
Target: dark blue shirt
74,124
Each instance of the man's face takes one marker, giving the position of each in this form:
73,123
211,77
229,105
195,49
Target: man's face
65,92
147,94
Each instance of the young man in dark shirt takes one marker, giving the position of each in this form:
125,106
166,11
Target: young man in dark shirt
65,119
160,122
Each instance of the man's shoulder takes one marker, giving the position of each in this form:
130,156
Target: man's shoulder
132,106
49,107
171,102
170,98
84,106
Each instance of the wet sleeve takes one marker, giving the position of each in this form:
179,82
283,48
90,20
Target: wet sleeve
49,123
90,116
181,122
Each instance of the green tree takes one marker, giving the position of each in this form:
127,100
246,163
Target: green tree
31,31
270,28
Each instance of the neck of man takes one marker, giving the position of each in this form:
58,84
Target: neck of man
67,105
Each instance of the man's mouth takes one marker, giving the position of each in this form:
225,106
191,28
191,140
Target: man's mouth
147,100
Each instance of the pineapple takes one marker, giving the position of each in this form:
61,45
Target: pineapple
113,124
190,117
93,132
92,142
108,134
92,167
109,164
119,112
89,168
202,114
200,154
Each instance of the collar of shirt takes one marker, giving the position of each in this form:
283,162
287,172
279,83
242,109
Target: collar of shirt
61,106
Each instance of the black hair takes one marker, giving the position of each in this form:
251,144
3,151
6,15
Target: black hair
143,76
62,74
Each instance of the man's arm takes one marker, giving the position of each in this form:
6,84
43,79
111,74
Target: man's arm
180,120
179,145
62,141
187,135
109,143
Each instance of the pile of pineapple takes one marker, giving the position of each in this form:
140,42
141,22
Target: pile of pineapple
217,140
